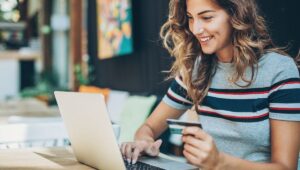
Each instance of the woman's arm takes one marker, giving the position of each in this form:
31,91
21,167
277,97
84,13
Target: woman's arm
285,144
145,136
156,124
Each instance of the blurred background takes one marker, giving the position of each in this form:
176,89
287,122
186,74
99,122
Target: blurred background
59,43
108,46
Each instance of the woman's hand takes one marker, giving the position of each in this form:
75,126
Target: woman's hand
132,150
200,149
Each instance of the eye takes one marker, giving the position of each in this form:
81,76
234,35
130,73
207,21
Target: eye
207,17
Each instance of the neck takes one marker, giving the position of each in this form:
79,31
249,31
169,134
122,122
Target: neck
225,55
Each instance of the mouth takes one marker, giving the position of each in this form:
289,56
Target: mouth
205,39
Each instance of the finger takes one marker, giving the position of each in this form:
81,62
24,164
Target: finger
135,155
128,152
194,151
195,142
191,158
154,148
157,143
123,148
195,131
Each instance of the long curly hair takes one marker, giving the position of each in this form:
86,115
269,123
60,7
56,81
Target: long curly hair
297,60
250,39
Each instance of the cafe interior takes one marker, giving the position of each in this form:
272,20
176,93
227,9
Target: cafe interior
110,47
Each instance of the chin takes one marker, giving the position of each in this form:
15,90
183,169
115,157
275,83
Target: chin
208,52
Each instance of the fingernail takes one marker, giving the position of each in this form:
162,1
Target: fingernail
134,161
128,160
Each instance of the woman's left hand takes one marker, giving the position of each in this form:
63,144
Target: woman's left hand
200,149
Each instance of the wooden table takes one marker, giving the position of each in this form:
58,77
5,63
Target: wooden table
40,158
26,108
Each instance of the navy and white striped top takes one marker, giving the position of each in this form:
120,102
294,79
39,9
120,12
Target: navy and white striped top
238,117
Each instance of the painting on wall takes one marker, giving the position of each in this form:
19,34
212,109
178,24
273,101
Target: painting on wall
114,28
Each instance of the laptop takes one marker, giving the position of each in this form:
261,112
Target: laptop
92,138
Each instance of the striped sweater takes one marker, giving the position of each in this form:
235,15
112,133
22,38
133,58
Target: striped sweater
238,117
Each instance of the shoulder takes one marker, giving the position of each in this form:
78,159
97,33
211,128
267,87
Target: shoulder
276,59
279,66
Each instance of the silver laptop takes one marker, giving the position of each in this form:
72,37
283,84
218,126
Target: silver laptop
92,137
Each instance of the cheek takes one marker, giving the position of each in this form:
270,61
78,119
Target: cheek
191,28
215,27
226,28
227,33
223,30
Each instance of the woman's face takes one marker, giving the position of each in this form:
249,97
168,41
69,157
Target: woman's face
211,25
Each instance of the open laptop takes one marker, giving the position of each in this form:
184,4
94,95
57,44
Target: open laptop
91,134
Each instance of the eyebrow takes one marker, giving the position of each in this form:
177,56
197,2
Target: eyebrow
202,12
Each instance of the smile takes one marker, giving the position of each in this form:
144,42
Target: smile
205,39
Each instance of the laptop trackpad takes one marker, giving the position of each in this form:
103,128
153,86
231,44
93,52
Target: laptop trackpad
166,163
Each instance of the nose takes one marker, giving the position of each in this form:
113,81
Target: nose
198,27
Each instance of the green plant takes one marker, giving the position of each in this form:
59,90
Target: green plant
46,84
81,77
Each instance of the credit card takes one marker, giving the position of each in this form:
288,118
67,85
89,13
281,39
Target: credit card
176,126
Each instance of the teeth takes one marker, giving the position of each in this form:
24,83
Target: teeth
205,39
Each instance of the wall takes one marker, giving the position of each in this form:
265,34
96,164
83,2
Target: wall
141,71
283,22
10,78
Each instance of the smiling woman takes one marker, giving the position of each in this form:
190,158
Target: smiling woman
211,26
244,88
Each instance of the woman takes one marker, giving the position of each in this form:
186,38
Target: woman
245,90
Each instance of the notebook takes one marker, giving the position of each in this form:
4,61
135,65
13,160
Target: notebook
91,134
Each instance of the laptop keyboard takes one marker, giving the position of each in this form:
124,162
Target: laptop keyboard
140,166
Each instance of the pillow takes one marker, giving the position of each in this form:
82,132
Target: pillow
136,110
